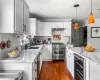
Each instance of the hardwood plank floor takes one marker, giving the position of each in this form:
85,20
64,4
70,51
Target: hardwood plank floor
54,71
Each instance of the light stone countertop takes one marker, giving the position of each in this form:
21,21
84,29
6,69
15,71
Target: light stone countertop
28,55
91,56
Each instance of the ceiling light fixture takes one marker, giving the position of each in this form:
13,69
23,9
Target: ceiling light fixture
76,23
91,17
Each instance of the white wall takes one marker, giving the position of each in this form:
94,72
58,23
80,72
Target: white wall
95,42
15,42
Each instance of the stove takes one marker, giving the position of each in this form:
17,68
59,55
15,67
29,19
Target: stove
58,51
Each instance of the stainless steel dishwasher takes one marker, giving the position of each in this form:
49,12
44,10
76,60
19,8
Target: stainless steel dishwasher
10,75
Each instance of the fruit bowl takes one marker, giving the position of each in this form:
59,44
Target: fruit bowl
89,49
13,53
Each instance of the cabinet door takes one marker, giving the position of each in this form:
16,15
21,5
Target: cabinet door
39,29
72,35
33,25
72,64
37,32
41,58
19,16
47,53
47,29
68,60
26,19
94,71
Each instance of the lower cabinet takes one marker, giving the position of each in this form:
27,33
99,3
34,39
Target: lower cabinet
41,58
70,61
34,70
47,52
94,71
91,69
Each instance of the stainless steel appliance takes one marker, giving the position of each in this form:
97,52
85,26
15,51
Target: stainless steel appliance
58,51
10,75
79,68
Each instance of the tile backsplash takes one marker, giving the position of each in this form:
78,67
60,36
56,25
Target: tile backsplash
15,43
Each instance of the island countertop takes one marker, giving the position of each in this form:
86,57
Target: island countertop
28,55
91,56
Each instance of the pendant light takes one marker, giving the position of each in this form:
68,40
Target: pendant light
91,17
76,23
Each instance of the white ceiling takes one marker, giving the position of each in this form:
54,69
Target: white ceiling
63,8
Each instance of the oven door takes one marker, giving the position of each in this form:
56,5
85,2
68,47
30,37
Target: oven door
58,54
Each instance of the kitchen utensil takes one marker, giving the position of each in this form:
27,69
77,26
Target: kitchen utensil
3,44
8,43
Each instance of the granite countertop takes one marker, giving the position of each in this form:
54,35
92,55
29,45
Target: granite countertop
91,56
28,55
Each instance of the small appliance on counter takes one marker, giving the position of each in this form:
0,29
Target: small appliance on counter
49,40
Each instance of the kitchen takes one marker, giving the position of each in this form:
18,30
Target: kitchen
49,40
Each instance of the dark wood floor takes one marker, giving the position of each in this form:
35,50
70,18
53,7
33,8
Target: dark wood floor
54,71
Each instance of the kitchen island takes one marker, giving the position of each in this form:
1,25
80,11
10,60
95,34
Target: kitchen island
91,56
90,63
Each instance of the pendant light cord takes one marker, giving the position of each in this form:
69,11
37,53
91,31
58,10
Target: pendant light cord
76,14
91,6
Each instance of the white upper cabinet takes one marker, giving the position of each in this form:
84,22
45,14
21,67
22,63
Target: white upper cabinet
33,25
26,19
11,16
47,29
67,31
18,16
39,29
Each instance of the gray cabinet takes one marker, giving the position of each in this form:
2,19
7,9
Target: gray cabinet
11,16
77,37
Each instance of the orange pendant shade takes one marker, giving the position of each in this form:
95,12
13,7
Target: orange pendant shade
91,19
76,25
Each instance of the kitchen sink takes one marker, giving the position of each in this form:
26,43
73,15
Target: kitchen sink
33,48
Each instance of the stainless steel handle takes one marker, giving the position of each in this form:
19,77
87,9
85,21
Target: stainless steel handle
23,27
